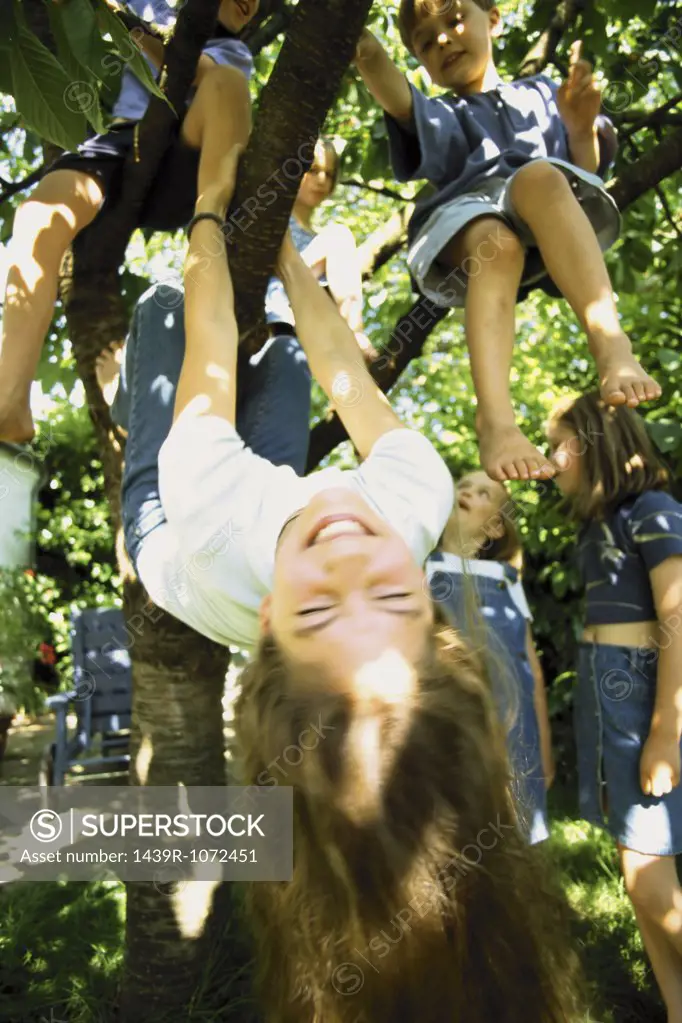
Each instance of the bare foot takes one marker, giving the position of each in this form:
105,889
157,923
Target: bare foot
622,381
507,455
16,423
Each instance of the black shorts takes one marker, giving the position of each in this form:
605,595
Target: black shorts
172,197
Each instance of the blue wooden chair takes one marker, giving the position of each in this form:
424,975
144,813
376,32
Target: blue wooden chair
101,699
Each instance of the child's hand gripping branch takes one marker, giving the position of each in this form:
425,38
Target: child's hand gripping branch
517,200
77,185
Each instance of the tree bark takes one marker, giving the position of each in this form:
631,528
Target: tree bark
178,674
291,111
664,160
177,738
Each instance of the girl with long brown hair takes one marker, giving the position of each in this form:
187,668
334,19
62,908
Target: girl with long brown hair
628,701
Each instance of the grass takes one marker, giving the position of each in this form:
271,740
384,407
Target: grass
61,944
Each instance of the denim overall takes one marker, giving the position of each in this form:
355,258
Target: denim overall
505,639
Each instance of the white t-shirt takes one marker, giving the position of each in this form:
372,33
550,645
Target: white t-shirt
212,562
455,565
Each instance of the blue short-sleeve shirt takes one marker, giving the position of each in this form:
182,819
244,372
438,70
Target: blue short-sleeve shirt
616,555
133,98
459,141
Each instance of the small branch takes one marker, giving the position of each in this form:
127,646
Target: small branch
390,192
542,52
652,117
266,33
668,212
18,186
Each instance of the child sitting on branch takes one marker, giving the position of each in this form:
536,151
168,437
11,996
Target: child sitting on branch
77,186
517,166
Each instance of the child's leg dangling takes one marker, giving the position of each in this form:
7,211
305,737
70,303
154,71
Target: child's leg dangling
494,258
542,197
63,204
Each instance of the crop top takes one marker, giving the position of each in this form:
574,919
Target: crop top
616,555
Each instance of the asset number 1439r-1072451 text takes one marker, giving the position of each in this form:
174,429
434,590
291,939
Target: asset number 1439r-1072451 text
195,856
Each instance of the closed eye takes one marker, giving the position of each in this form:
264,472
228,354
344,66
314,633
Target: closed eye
304,611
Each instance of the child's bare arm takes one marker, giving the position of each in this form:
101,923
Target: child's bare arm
660,759
333,354
209,369
541,709
388,86
579,102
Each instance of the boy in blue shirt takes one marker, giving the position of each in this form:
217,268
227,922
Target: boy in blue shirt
76,186
519,197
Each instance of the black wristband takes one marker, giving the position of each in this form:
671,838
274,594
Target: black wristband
220,221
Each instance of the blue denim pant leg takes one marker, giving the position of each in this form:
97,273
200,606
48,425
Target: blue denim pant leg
273,415
273,406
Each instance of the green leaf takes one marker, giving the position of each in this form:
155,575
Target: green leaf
73,42
127,49
666,434
669,359
41,92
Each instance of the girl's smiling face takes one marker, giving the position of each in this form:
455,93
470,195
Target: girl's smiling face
346,589
235,15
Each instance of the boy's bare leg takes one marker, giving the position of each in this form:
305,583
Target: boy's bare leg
218,118
63,204
493,258
652,884
542,196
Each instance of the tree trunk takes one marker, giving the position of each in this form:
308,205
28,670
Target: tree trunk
177,738
291,111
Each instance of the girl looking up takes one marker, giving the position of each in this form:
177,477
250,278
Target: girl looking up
330,253
474,577
628,701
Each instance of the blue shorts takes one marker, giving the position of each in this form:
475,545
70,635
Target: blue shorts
273,404
171,199
614,702
447,287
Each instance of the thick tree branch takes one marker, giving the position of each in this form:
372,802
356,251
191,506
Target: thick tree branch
291,112
269,23
637,178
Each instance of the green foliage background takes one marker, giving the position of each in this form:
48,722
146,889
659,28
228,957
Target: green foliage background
636,49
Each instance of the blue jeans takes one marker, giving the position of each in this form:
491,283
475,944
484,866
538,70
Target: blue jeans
273,404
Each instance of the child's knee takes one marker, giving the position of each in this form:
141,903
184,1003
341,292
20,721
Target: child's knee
488,242
535,180
647,890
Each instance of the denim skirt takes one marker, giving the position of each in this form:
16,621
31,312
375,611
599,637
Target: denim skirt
614,703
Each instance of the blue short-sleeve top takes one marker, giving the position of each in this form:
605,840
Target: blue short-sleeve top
227,50
456,142
616,555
